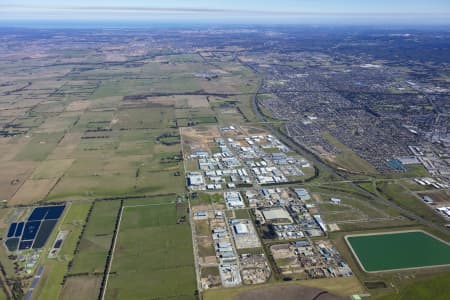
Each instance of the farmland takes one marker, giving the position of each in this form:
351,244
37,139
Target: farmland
96,239
152,232
56,269
217,164
83,137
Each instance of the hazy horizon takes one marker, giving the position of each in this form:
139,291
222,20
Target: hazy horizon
345,12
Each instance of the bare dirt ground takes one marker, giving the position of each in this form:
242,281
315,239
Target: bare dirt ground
250,130
66,147
199,138
13,112
12,175
78,105
191,101
281,251
58,123
10,147
81,287
32,191
317,197
208,260
179,101
333,227
207,207
201,207
52,107
52,168
287,293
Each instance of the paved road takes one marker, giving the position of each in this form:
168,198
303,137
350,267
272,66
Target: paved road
192,224
302,150
34,283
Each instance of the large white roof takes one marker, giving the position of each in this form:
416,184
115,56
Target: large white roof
241,228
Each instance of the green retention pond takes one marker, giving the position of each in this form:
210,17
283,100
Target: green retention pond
398,250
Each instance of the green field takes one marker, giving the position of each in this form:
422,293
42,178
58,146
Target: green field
49,286
96,239
398,194
398,250
153,257
101,132
348,159
436,288
2,295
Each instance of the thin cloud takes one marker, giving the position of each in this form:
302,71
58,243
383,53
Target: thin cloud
184,10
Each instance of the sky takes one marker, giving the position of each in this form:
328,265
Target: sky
232,11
